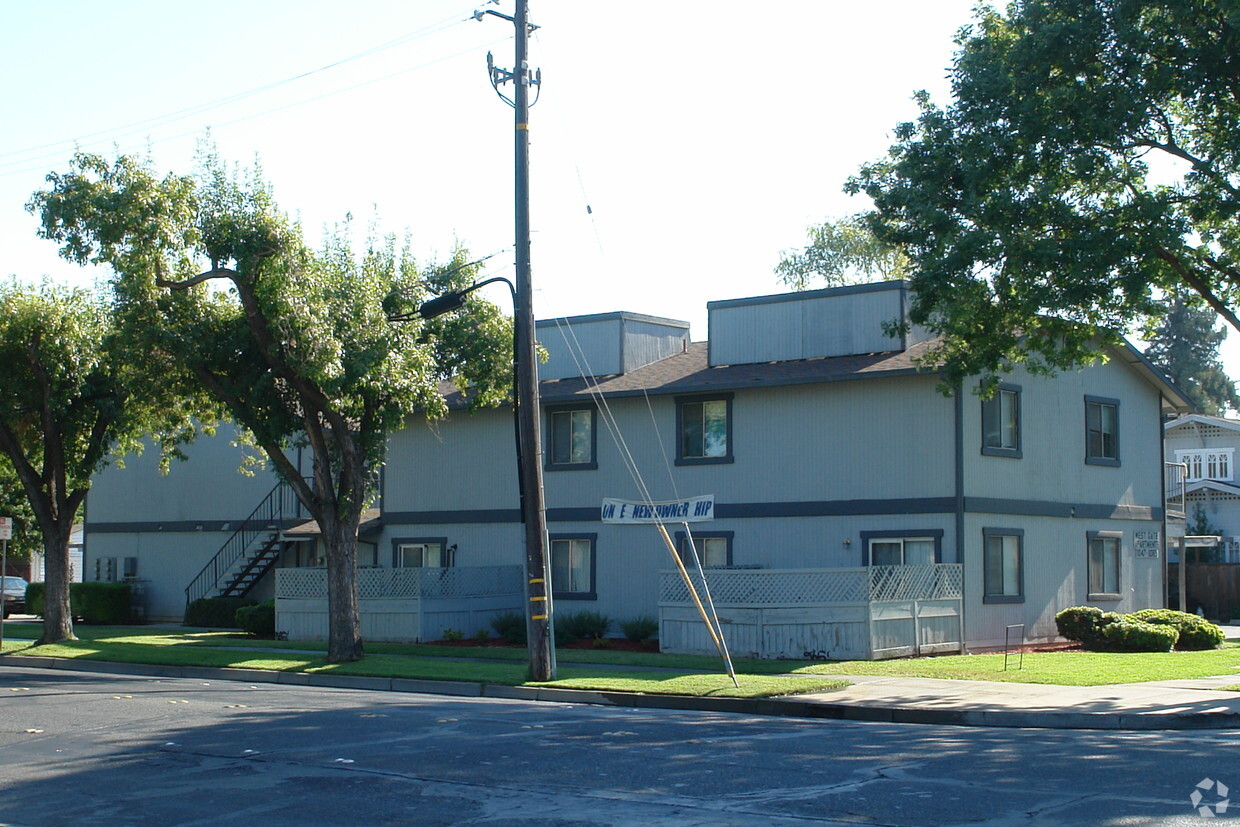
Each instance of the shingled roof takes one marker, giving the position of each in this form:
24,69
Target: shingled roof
689,372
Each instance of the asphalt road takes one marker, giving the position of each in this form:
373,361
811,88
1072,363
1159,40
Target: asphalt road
84,748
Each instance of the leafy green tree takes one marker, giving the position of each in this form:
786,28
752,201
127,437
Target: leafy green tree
840,252
1184,345
1087,163
70,394
293,343
27,539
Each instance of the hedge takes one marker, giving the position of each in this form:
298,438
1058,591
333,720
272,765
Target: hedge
1147,630
94,603
215,612
259,620
1194,632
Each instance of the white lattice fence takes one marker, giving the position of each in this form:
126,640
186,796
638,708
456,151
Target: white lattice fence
940,581
770,587
301,583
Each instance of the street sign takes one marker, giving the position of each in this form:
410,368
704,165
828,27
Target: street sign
6,528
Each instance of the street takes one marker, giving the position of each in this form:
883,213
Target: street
80,748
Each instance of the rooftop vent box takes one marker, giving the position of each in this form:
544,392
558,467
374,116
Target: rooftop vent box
810,324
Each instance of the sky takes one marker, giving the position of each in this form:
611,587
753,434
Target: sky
676,148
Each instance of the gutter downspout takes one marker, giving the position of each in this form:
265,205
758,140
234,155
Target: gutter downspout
959,417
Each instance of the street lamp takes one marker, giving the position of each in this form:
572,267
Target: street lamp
529,474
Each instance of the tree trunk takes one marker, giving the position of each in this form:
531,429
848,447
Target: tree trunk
57,614
344,640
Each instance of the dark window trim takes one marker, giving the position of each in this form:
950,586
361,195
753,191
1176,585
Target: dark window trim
681,401
397,542
1019,534
682,543
549,463
935,534
994,451
1118,536
1105,461
563,595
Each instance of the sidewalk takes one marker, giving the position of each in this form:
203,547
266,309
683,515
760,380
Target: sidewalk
1179,704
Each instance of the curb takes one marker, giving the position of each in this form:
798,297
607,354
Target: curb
791,707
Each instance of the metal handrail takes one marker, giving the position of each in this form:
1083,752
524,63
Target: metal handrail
268,515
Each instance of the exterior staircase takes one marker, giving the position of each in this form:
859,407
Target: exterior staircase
251,551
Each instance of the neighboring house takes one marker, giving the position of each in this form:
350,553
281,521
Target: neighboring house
1206,448
37,568
858,511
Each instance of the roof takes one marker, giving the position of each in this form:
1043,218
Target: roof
1213,485
371,523
689,372
1202,419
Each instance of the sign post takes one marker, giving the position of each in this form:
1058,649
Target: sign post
6,533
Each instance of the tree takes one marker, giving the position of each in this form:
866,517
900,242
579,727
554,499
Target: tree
69,395
841,252
1184,345
1086,165
293,343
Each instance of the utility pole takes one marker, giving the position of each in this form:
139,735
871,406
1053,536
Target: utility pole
529,444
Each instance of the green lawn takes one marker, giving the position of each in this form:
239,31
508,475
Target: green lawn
1068,668
661,676
603,669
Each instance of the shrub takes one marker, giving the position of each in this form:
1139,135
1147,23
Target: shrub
563,637
1194,632
510,626
584,624
640,628
218,612
482,635
259,620
1078,622
1128,635
453,634
102,603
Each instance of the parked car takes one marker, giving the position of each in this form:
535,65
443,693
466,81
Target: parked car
14,591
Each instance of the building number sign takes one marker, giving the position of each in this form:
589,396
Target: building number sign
1146,543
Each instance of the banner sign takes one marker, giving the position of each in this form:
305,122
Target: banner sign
691,510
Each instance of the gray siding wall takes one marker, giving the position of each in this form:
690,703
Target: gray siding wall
836,322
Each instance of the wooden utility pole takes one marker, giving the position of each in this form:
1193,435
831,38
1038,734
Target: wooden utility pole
529,444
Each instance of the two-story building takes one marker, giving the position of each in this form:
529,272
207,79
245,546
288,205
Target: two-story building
858,511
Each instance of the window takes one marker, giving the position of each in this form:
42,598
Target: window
1101,431
1001,423
571,439
433,552
1104,549
1003,565
704,428
902,548
714,549
1207,464
572,566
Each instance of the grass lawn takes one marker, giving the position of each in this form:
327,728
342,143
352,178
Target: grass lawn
1067,668
222,649
597,668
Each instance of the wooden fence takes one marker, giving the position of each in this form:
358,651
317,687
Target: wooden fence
1212,587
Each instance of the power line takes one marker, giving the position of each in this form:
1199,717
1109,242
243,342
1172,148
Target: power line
136,127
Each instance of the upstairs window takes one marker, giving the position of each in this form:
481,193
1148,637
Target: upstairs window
1101,431
1207,463
571,439
704,430
1001,423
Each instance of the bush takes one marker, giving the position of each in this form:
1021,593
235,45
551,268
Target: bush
218,612
1078,623
510,626
584,624
563,637
259,620
640,628
1128,635
100,603
1194,632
